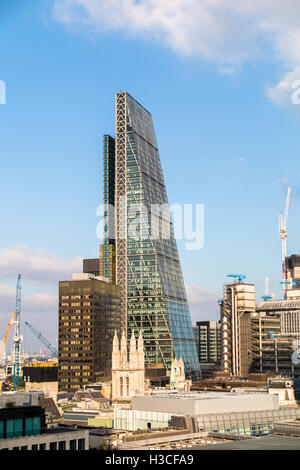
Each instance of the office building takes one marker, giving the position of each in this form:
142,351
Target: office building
236,308
208,341
23,426
148,271
107,248
89,314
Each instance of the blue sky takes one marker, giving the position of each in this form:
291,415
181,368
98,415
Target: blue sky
227,132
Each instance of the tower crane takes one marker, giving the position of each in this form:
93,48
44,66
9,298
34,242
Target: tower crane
237,277
283,235
17,339
42,338
6,335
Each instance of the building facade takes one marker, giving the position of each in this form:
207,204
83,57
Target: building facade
128,373
24,427
91,266
292,264
275,337
153,297
89,314
237,306
107,248
208,341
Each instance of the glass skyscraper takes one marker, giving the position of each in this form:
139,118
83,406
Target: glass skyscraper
107,249
148,271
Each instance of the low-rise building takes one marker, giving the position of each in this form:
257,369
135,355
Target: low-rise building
24,428
238,413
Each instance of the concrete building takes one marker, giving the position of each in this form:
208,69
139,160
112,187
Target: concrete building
23,427
242,414
128,373
89,314
196,404
237,306
275,333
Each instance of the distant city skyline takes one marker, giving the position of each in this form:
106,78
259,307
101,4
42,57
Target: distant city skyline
226,122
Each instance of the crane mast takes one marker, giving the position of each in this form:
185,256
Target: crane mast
6,335
283,235
17,338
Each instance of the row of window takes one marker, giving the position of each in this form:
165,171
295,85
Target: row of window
61,445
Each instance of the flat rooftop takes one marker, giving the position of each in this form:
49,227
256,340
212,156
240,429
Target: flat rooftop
257,443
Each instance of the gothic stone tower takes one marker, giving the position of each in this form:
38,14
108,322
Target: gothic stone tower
128,374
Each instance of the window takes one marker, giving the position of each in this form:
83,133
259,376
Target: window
62,445
1,429
81,444
42,446
73,444
53,445
35,447
24,448
9,428
28,427
18,427
121,386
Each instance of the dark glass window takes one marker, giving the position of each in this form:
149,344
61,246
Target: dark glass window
73,444
62,445
81,444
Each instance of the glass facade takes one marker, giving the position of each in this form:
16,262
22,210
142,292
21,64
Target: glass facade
148,267
107,249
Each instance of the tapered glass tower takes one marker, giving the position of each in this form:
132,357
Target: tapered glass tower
147,264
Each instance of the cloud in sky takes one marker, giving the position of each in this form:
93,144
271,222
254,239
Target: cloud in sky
227,32
40,308
36,265
203,304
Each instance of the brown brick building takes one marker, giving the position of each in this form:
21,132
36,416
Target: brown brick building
89,314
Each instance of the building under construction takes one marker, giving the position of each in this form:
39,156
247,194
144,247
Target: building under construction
275,337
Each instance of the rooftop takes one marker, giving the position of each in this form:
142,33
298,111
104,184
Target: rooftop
257,443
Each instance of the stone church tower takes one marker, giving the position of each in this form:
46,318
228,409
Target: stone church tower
128,374
177,376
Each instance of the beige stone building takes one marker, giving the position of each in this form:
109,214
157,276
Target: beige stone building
128,373
179,382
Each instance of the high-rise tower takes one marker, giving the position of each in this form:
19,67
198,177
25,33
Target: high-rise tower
153,297
107,248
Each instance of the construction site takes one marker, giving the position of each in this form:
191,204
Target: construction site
13,365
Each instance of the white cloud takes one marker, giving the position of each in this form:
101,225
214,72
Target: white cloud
40,308
228,32
36,265
203,304
286,92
